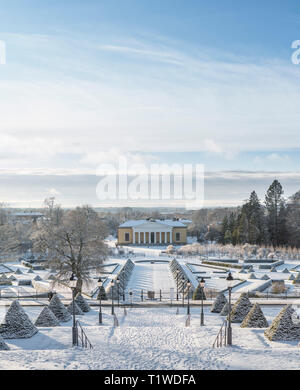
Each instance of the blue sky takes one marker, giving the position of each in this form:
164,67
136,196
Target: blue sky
209,82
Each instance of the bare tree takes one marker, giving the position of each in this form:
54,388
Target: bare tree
75,245
53,211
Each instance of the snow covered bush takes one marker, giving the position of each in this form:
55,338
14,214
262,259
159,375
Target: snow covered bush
46,318
282,327
82,303
241,308
225,310
3,345
59,309
77,309
278,288
102,293
255,318
219,303
199,293
16,324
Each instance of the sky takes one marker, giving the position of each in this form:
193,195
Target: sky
197,82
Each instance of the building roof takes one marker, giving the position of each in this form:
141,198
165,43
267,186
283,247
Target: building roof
167,222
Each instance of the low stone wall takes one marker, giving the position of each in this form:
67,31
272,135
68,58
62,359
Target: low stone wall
174,265
124,276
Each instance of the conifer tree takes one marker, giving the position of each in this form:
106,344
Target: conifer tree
255,318
275,205
59,309
82,303
46,318
17,324
241,308
219,303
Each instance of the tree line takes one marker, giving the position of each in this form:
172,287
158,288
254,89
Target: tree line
275,222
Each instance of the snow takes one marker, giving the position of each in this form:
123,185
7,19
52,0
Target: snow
150,338
151,277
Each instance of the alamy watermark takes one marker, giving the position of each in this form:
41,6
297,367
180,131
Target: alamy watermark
296,54
161,185
2,53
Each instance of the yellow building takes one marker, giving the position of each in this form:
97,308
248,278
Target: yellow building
152,232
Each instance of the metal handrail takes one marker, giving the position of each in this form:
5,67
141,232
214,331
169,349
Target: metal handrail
221,339
85,342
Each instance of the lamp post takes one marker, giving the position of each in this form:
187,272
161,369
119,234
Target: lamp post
118,285
202,284
73,284
188,289
112,283
229,280
177,276
100,284
183,281
123,285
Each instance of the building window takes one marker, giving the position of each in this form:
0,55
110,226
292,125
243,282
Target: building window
177,237
127,237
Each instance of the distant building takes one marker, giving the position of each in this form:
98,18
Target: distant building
26,216
152,232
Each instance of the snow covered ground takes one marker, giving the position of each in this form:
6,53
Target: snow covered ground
150,338
151,277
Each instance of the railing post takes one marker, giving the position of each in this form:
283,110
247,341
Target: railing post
142,295
160,295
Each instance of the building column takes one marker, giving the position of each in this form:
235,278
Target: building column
133,236
154,237
160,237
171,237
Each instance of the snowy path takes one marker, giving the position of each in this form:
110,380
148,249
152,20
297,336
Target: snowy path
151,277
153,338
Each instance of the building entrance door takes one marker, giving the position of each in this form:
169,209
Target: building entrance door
152,238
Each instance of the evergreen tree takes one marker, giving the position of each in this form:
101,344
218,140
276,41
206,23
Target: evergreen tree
199,294
46,318
59,309
255,318
219,303
3,345
17,324
82,303
276,214
77,309
241,308
225,310
283,328
102,293
224,229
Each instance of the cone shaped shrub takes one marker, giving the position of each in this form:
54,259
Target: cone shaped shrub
291,277
219,303
252,276
78,311
241,308
199,293
297,279
59,309
102,293
82,303
46,318
282,327
265,277
16,324
3,345
225,310
18,272
255,318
